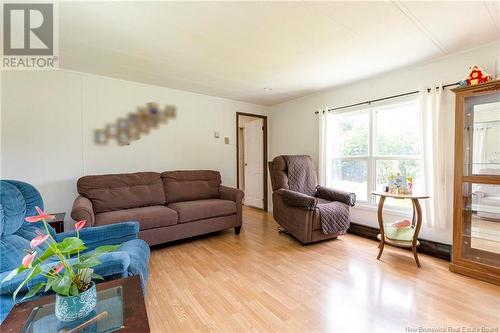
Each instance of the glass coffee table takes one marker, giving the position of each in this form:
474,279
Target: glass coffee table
120,308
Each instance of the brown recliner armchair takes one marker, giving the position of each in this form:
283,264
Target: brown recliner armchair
301,206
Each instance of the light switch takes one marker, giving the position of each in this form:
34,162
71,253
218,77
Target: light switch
226,140
216,135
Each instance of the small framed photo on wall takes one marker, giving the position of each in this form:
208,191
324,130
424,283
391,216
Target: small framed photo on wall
111,131
123,138
100,137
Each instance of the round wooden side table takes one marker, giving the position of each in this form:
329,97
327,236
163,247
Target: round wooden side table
416,223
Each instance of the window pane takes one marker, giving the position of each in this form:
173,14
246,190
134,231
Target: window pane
350,134
351,176
406,168
397,130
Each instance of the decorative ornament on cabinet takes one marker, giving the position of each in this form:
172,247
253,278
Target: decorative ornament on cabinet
476,75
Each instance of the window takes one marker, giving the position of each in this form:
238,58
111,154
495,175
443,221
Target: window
366,146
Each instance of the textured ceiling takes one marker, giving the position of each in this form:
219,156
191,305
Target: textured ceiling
264,52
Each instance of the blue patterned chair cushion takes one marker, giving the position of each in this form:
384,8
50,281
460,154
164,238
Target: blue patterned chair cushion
17,201
12,251
13,208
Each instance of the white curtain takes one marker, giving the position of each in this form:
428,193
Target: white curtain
437,145
323,147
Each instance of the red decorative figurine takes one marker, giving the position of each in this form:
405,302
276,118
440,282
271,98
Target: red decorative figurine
477,76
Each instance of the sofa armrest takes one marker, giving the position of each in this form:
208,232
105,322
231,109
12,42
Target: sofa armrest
297,199
233,194
82,210
229,193
111,234
336,195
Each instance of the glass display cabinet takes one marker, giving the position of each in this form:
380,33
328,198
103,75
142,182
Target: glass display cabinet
476,216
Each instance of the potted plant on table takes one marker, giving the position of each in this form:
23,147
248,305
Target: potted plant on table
70,276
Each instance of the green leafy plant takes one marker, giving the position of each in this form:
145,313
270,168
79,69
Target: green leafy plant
65,277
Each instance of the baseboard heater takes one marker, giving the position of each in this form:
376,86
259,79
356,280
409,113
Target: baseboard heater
434,249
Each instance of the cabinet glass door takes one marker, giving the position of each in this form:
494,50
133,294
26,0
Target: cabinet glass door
481,223
476,212
481,174
482,135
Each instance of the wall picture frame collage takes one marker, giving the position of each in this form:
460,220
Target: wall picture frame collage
135,124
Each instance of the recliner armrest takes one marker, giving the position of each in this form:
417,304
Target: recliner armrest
297,199
82,210
336,195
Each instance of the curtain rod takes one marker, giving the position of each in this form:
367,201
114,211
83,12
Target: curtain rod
385,98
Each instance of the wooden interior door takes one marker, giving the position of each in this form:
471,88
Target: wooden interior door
253,164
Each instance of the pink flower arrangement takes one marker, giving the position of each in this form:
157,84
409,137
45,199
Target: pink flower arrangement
41,216
57,268
28,259
38,240
79,225
72,274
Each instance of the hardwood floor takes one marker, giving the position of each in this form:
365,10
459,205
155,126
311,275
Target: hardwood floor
268,282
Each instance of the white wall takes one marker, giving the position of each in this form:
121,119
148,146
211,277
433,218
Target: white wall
48,119
295,127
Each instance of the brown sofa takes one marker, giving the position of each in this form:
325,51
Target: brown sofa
168,206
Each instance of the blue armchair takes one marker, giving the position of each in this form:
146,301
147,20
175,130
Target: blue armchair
18,200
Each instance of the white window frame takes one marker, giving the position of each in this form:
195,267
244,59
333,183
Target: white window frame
372,158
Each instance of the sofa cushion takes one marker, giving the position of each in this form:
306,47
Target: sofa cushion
121,191
203,209
148,217
191,185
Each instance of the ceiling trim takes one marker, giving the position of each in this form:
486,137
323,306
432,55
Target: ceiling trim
420,26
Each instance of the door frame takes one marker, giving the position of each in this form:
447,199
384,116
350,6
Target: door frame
264,159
